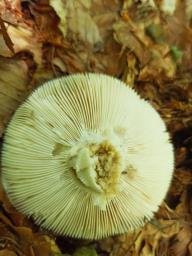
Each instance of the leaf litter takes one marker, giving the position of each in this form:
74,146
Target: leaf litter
147,44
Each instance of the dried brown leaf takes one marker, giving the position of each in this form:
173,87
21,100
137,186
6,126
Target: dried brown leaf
123,34
6,37
160,66
13,88
151,237
24,39
182,241
76,19
7,252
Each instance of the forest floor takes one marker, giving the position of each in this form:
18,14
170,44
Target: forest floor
148,45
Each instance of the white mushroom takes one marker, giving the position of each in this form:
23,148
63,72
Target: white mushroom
86,157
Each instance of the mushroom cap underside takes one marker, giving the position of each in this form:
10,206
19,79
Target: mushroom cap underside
86,157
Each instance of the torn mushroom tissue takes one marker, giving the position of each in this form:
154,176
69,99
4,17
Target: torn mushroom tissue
98,161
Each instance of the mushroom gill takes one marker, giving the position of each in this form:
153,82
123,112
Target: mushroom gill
86,157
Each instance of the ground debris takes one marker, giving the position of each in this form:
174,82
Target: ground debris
148,45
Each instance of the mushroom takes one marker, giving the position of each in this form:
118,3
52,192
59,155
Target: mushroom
86,157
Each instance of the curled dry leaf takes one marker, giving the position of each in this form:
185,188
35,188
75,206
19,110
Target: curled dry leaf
13,87
16,217
33,243
22,240
82,56
25,40
22,39
17,34
123,34
59,7
130,72
182,241
5,36
13,4
107,244
150,240
76,19
7,252
160,65
4,49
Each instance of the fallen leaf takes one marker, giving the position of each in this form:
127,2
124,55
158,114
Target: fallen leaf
76,19
151,237
182,240
7,252
123,34
6,37
24,39
13,88
160,65
60,9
